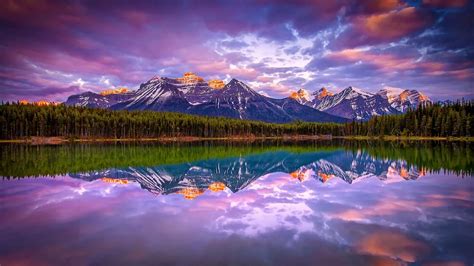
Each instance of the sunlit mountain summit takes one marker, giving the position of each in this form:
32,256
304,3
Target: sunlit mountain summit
354,103
193,94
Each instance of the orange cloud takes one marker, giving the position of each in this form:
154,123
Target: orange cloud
462,197
382,261
389,207
392,25
382,5
386,62
463,73
380,209
394,245
387,4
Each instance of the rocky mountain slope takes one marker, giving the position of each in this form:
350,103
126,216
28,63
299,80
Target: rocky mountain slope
191,94
353,103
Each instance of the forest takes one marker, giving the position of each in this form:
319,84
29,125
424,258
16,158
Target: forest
450,120
22,121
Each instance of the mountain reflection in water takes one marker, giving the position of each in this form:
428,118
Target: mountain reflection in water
236,173
328,203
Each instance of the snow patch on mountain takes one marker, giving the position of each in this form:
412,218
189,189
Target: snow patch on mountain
354,103
192,94
390,93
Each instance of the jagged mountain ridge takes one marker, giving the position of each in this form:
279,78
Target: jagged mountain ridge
353,103
96,100
192,95
237,100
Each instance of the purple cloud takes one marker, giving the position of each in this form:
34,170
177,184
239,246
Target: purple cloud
51,49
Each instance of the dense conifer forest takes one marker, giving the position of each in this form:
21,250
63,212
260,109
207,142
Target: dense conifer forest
451,120
23,121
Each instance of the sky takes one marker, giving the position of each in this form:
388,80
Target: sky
52,49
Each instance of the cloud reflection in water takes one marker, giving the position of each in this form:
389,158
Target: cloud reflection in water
254,216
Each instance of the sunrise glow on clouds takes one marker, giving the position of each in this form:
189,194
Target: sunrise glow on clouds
52,49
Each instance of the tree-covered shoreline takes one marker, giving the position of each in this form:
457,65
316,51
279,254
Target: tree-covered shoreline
24,121
18,160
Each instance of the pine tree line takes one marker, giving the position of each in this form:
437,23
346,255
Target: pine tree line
450,120
22,121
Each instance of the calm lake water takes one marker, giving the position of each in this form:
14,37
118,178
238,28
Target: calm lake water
265,203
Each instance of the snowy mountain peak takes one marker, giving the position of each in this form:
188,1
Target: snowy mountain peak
390,93
193,88
413,96
155,78
352,92
301,96
192,94
353,103
96,100
152,91
321,93
238,88
236,82
401,99
409,99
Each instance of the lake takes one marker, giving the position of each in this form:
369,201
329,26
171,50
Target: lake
220,203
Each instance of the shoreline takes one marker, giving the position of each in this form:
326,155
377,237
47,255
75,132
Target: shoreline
62,140
405,138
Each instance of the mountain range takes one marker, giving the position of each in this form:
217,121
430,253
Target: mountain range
353,103
191,94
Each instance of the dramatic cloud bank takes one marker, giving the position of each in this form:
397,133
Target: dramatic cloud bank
51,49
